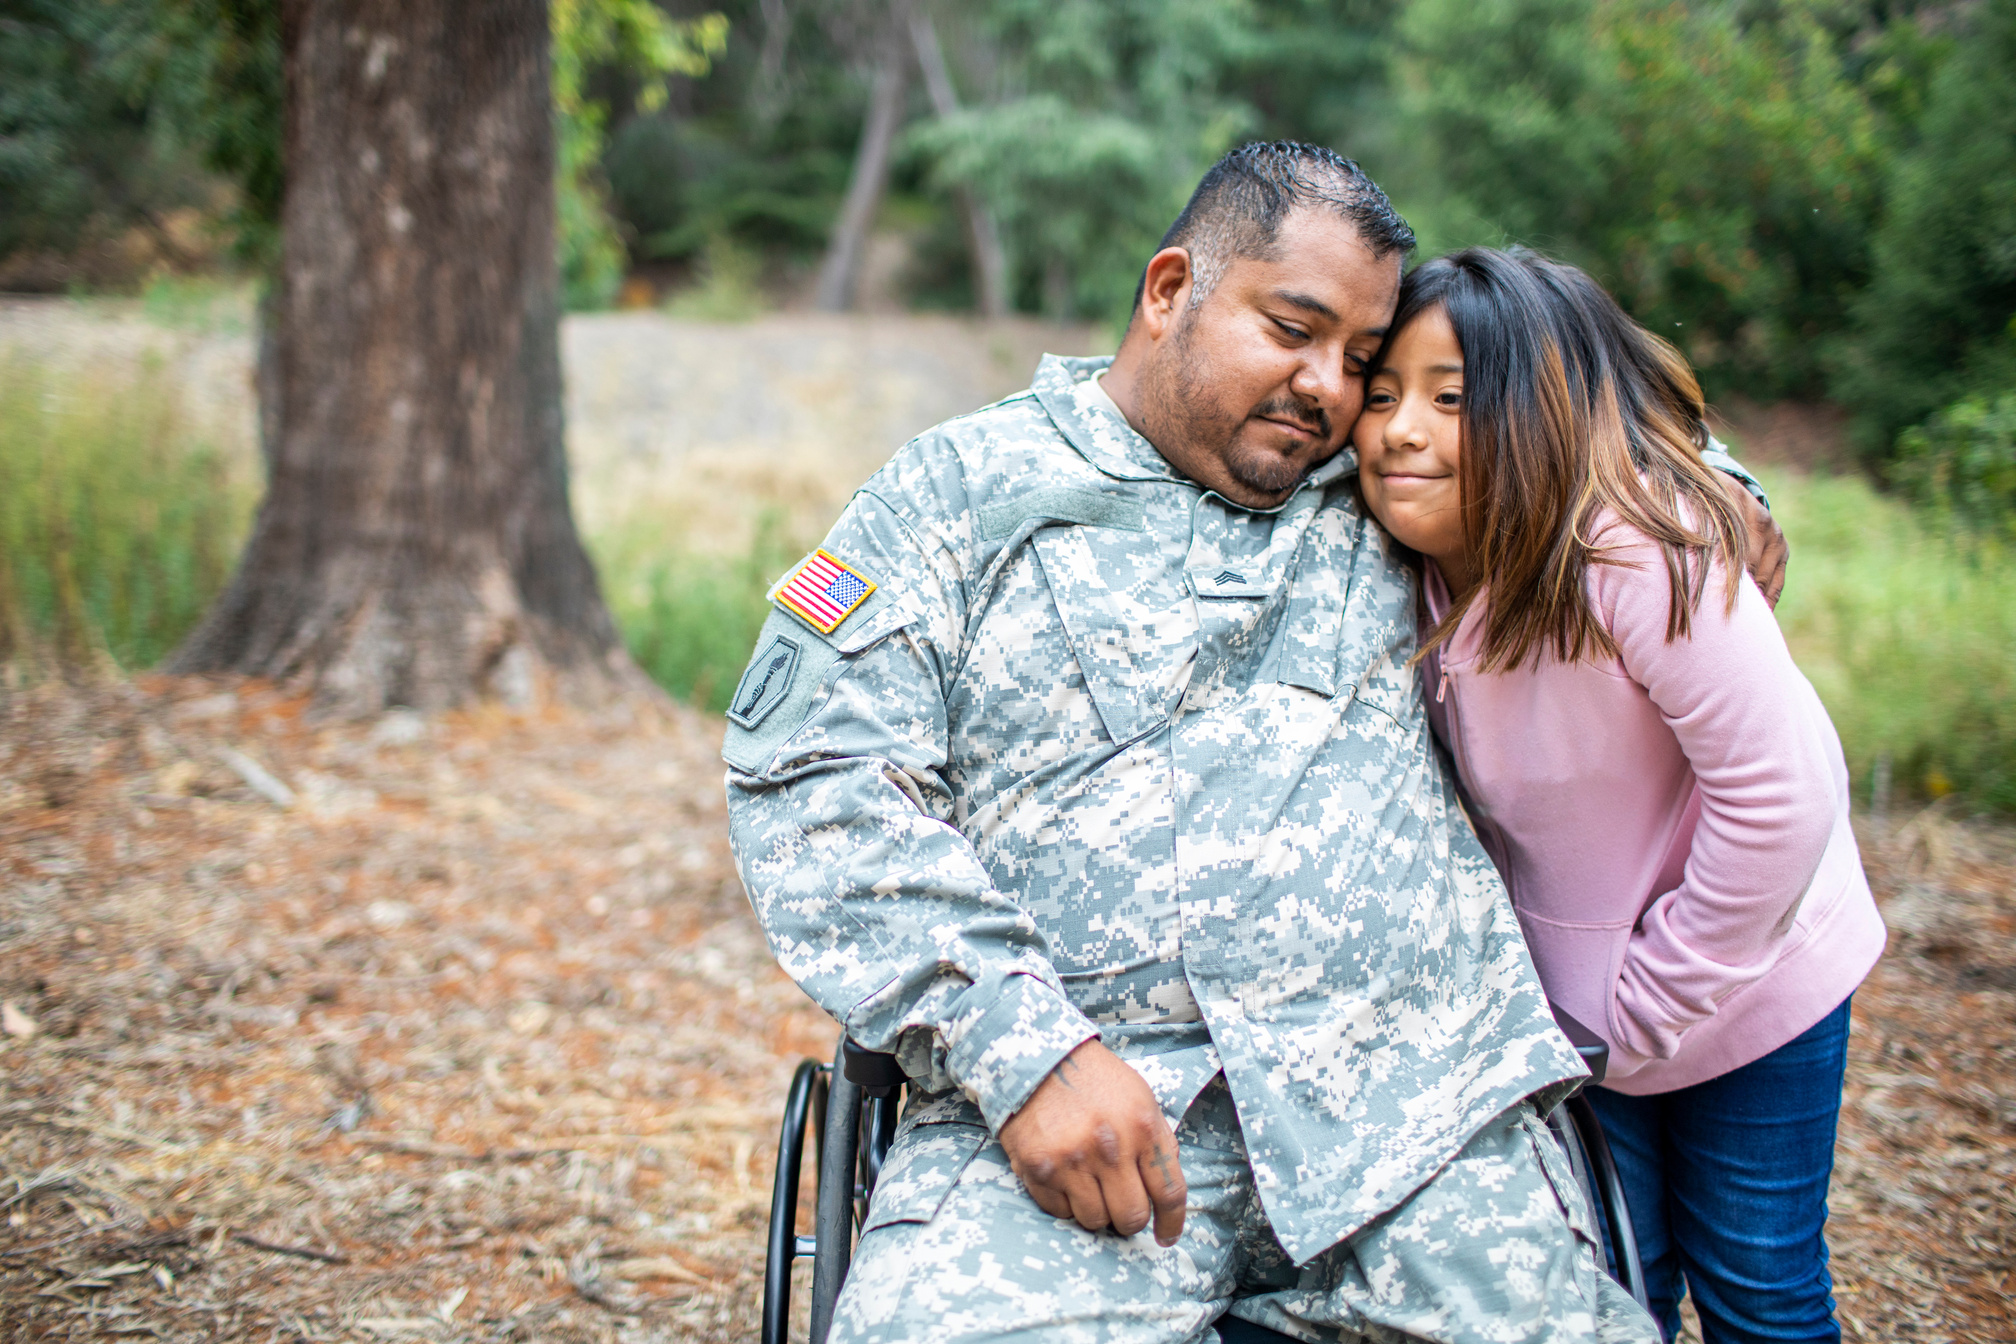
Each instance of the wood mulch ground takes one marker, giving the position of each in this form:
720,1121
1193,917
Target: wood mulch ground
475,1039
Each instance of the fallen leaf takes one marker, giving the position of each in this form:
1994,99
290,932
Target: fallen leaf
529,1019
15,1022
174,781
445,1312
656,1267
258,778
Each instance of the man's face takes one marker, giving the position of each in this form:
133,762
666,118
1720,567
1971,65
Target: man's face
1247,391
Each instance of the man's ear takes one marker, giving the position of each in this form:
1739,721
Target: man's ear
1165,291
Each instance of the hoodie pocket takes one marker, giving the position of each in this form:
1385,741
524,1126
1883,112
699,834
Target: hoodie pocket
1578,966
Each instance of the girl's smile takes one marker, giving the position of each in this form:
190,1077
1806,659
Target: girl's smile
1410,443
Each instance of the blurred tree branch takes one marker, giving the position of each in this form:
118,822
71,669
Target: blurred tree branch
635,37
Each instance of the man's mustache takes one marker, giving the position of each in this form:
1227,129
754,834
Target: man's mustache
1312,418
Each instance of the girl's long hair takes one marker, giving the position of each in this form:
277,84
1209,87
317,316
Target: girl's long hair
1569,408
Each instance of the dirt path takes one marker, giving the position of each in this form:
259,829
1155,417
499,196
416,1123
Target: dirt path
480,1033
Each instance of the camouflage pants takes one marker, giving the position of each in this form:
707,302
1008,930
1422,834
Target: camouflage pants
1497,1249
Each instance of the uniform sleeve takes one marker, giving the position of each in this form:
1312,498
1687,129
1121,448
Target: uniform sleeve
841,821
1762,752
1717,456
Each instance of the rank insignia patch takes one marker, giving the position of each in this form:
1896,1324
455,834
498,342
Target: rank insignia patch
763,686
825,591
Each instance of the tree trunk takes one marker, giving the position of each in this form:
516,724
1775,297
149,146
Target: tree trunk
840,272
990,258
415,546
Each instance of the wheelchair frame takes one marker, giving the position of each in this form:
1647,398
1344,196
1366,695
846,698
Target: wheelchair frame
851,1107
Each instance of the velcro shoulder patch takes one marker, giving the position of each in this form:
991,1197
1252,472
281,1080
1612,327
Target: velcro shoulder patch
823,591
768,680
774,697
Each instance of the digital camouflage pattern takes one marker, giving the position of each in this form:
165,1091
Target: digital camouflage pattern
1497,1248
1106,755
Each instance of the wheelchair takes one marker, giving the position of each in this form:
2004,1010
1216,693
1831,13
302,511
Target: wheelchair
851,1108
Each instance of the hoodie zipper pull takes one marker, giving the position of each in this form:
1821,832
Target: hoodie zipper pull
1442,686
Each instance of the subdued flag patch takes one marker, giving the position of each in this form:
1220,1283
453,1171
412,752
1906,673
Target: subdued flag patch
825,591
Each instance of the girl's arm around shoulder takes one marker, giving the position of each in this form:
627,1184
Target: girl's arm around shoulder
1764,755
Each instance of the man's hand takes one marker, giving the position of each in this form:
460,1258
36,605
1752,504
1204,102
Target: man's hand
1765,553
1091,1145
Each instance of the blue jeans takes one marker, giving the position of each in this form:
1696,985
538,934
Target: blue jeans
1727,1183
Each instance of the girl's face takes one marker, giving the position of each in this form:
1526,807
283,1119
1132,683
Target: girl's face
1410,438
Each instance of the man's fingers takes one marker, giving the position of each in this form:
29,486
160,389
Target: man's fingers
1088,1202
1127,1203
1765,549
1774,586
1162,1176
1776,554
1048,1197
1091,1145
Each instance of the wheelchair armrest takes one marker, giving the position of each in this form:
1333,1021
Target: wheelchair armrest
878,1075
1595,1051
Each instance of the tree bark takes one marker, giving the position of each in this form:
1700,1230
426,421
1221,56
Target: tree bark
990,258
416,546
840,272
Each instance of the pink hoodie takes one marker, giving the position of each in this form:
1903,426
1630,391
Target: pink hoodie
1672,824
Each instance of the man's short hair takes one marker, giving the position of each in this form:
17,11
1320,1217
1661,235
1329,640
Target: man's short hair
1238,208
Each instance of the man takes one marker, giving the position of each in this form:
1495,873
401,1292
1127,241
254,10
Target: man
1083,768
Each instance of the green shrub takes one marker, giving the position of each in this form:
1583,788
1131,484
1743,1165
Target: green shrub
1962,462
1908,631
728,285
115,530
689,617
1934,324
1711,164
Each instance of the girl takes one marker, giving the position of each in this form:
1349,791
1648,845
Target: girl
1659,785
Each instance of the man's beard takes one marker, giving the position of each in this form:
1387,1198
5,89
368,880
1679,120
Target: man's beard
1179,411
1269,472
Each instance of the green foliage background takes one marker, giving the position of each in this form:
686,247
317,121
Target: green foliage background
1814,199
112,110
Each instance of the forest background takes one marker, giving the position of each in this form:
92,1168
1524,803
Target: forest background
1814,199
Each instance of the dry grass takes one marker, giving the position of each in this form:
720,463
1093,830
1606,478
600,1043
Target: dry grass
480,1033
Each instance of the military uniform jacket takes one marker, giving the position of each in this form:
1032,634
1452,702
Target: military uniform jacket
1096,752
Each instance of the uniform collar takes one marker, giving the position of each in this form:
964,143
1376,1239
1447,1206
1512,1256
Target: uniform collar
1089,420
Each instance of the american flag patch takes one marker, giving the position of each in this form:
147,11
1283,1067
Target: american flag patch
825,591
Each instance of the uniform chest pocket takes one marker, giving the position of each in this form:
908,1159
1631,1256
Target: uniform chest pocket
1348,627
1132,625
1306,642
1377,641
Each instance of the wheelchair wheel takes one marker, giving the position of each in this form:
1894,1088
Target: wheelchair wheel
1580,1133
804,1106
852,1107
